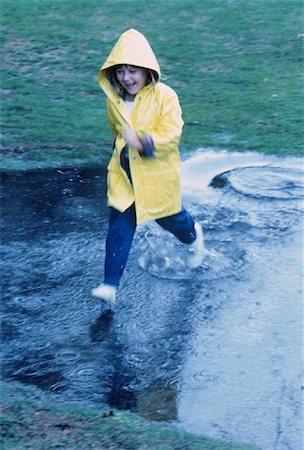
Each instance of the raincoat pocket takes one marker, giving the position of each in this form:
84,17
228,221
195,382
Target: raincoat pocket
160,192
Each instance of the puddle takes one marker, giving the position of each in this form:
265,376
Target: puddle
216,350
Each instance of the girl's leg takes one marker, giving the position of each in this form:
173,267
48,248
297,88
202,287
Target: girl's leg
118,244
188,232
181,225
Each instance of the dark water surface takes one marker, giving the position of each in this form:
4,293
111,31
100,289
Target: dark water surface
217,350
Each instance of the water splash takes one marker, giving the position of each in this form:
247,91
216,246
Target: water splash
164,257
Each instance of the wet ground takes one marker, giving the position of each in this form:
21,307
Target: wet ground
216,350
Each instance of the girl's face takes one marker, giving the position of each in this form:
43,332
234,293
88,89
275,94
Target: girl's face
132,79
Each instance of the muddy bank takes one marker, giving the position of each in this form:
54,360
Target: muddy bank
31,419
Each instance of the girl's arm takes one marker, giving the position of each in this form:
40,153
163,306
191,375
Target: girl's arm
168,129
132,140
165,135
127,132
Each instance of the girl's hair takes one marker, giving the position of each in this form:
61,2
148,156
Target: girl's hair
152,77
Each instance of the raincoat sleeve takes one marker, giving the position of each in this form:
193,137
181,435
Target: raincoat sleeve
167,132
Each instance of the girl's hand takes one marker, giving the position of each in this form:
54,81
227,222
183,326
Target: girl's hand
131,138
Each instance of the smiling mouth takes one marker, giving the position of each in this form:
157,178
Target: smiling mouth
130,86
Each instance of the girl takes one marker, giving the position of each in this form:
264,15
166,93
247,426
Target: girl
144,171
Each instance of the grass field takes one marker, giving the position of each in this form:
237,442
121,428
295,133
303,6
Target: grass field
236,65
30,420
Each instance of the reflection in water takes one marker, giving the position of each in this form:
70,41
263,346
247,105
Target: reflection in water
101,327
217,348
158,402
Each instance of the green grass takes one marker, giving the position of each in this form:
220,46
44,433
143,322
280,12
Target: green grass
30,420
236,65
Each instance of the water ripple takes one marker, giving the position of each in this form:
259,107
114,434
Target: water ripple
265,182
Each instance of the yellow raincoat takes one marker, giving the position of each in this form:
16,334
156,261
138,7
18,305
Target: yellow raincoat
156,111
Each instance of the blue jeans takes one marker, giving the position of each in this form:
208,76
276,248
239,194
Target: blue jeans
120,236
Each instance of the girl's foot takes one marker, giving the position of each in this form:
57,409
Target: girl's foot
105,292
197,248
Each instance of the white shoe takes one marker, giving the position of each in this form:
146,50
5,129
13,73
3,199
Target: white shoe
197,248
105,292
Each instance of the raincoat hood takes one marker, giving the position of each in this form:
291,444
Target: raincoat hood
131,48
